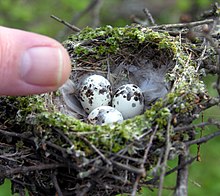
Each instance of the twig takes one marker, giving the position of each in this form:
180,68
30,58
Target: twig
135,187
72,27
182,175
56,185
201,125
188,162
96,150
137,160
129,168
9,172
208,37
13,134
164,164
203,139
149,16
118,178
181,25
216,47
67,140
201,58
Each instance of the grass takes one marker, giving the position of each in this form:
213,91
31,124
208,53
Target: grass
5,189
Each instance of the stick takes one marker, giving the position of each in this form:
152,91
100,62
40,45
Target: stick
203,139
72,27
182,175
164,164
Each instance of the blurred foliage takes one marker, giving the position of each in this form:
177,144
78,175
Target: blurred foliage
34,16
186,5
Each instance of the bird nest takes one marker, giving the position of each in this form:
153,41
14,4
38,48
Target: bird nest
47,145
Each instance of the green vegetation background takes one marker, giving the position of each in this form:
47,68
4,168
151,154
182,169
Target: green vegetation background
34,16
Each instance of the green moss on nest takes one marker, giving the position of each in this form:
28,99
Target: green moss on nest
115,39
33,110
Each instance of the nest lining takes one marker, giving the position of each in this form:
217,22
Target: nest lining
83,159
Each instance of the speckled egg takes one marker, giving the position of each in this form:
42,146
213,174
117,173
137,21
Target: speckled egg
105,115
94,91
129,100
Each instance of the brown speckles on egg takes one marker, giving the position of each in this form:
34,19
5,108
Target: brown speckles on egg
136,98
129,100
103,90
89,93
129,96
94,91
105,115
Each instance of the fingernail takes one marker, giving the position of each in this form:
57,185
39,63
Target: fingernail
42,66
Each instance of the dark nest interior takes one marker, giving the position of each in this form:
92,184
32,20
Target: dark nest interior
48,148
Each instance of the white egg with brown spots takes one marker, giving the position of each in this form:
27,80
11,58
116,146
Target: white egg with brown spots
94,91
105,115
129,100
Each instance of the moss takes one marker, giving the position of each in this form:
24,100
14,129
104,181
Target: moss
115,39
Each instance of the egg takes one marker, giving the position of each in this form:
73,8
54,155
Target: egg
94,91
105,115
129,100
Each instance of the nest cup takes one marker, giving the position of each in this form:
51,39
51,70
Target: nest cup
122,60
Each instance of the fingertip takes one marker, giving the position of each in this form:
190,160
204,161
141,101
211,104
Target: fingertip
31,63
45,66
64,67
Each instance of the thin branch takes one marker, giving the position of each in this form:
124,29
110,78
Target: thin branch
96,150
182,175
188,162
129,168
164,164
216,48
137,160
203,139
13,134
181,25
9,172
56,185
72,27
135,187
66,139
201,125
149,16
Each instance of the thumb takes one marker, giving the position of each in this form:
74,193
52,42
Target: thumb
31,63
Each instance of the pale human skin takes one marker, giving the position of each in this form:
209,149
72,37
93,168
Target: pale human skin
31,63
